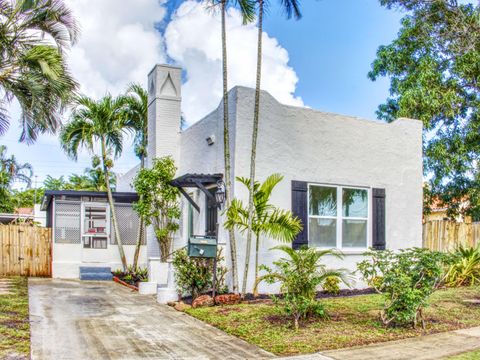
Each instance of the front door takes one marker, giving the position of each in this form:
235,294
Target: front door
95,227
211,214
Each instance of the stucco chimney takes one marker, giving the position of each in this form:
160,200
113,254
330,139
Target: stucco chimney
164,113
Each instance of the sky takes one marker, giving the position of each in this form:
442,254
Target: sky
320,61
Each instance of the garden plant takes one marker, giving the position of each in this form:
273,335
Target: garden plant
406,279
464,269
299,274
193,276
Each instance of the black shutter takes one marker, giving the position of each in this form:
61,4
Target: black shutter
299,209
378,223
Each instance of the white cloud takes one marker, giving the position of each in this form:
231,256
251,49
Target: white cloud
193,41
118,44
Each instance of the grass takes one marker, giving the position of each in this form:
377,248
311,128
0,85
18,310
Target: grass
472,355
352,321
14,323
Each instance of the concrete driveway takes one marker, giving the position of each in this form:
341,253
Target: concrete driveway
104,320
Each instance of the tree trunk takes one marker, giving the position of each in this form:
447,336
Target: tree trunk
226,147
257,247
254,147
112,206
140,226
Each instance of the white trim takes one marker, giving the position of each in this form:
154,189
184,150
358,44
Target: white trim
339,217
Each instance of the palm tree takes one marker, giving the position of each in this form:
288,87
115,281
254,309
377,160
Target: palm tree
93,125
267,219
12,170
247,10
136,117
291,7
33,70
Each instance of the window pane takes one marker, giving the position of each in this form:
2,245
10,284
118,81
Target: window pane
354,233
95,221
322,232
323,201
355,203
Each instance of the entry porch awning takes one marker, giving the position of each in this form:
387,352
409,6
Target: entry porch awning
199,181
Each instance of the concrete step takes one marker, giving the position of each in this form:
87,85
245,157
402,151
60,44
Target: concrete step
95,269
96,276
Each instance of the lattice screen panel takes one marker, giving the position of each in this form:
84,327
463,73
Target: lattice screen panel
67,222
128,225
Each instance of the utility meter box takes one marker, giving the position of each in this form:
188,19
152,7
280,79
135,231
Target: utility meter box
202,246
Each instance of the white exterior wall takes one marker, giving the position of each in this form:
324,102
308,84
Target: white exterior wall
313,146
125,181
67,258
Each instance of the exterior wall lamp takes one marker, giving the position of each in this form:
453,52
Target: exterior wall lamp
220,194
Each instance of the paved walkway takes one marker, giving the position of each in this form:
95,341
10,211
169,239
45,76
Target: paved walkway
429,347
103,320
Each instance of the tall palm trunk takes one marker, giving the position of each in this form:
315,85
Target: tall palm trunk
226,147
254,147
257,247
112,205
140,227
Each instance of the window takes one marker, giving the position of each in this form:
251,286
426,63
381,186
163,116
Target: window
338,217
95,225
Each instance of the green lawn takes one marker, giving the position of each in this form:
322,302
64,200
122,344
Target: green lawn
473,355
353,321
14,325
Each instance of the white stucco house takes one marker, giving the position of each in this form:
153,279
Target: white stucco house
354,183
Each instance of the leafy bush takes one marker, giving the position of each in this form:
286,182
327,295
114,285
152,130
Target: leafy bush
300,274
406,279
331,285
132,276
194,276
464,269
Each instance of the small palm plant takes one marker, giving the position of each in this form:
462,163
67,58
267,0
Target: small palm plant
300,274
268,220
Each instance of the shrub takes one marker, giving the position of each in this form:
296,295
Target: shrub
331,285
464,269
407,279
193,276
300,274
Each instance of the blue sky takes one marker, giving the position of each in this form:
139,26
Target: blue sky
330,49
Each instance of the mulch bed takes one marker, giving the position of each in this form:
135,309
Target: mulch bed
267,298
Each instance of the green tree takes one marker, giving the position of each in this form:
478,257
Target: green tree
291,7
32,70
158,201
267,219
136,117
13,170
93,125
434,76
51,183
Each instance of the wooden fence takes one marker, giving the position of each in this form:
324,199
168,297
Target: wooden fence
444,235
25,250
